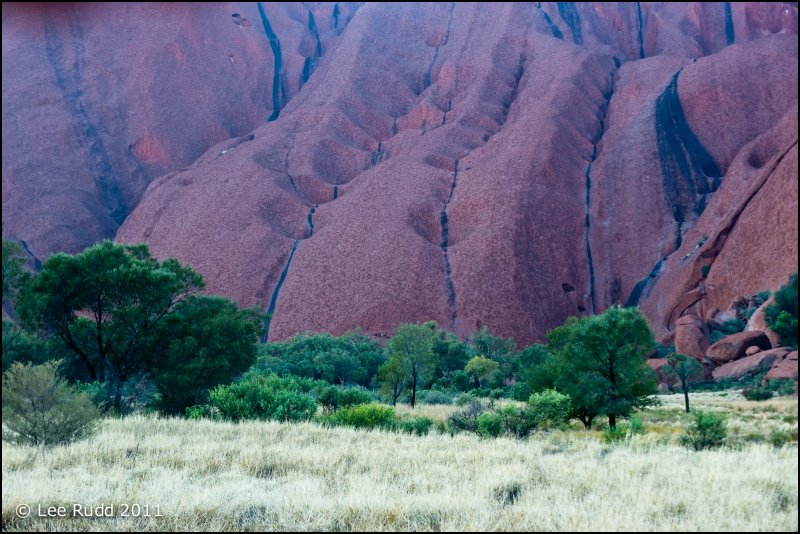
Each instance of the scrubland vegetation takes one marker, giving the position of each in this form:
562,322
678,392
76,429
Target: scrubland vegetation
123,385
256,475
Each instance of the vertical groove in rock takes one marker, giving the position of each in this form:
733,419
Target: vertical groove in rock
730,35
278,94
553,28
274,299
569,14
451,290
87,132
603,111
639,32
689,173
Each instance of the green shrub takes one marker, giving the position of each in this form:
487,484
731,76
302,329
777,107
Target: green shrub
292,406
263,397
757,394
41,409
550,407
781,387
415,425
464,399
781,315
625,432
517,422
364,416
779,439
433,396
490,425
333,398
731,326
466,419
707,431
20,346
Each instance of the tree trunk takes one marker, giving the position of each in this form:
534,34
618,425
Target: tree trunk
686,394
414,391
612,421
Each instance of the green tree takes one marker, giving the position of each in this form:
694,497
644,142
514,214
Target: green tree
19,346
412,347
207,341
338,366
41,409
687,370
451,353
781,315
393,379
481,368
503,351
106,305
14,275
354,357
600,362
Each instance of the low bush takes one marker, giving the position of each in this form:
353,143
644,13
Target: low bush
707,431
415,425
466,419
41,409
433,396
778,438
332,398
363,416
550,408
757,394
263,397
490,425
625,432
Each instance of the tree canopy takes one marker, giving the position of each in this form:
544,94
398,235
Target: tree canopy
600,362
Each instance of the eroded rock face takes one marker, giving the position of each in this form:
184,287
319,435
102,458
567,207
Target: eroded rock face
734,346
509,165
784,368
98,99
690,337
750,365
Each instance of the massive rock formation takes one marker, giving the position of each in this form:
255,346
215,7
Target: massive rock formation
508,165
98,99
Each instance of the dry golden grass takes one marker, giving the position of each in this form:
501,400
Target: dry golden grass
269,476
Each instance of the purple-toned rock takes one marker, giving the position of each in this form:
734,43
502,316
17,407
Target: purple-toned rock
784,369
690,337
750,365
734,347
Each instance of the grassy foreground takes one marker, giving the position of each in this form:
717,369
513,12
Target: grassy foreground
271,476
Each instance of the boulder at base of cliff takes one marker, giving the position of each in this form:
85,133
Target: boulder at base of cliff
784,368
750,365
758,321
690,338
755,349
734,346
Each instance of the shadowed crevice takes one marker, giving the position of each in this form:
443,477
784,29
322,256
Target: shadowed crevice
278,89
602,113
274,299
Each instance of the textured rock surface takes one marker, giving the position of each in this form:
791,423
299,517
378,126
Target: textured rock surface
508,165
750,365
734,346
784,369
758,321
690,337
98,99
